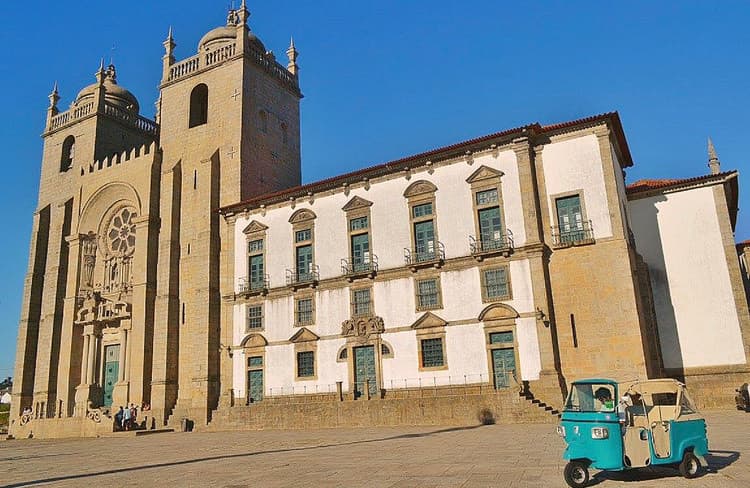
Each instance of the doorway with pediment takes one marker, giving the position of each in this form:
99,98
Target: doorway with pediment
363,352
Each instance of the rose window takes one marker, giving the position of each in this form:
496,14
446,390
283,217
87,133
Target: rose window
121,233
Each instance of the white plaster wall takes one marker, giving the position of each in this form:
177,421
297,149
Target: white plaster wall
528,348
678,236
576,164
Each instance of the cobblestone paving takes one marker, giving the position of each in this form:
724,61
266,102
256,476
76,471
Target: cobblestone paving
484,456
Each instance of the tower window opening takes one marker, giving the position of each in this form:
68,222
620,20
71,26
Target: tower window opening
199,105
263,121
68,153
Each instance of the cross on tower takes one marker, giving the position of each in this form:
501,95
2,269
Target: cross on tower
236,94
231,152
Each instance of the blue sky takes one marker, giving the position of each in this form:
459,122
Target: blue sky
391,78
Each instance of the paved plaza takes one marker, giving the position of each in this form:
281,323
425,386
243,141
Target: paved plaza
482,456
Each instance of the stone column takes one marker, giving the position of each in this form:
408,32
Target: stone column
126,365
92,344
71,338
226,283
611,175
85,359
121,358
529,196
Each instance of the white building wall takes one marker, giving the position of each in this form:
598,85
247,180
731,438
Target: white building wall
576,164
678,236
394,299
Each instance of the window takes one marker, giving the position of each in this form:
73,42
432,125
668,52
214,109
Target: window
359,223
428,294
305,272
487,197
263,121
199,105
303,235
385,351
491,235
495,284
359,259
425,246
344,354
254,317
255,246
572,226
68,153
256,265
501,337
361,303
305,364
432,353
304,312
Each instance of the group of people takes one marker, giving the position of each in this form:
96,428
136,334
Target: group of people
127,418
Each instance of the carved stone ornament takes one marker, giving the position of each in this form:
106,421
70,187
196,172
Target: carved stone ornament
356,203
302,215
419,188
362,327
484,173
254,227
95,308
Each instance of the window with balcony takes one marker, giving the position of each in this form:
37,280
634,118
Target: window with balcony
425,248
572,226
360,260
305,273
491,235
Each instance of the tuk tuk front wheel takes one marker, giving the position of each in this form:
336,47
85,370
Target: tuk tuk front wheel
690,466
576,474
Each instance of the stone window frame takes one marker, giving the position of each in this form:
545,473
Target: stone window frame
248,306
491,327
343,350
255,231
356,208
483,284
432,333
305,340
352,306
297,299
387,345
302,219
419,193
581,198
425,277
484,179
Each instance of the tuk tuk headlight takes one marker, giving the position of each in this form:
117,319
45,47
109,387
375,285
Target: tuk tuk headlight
561,430
600,433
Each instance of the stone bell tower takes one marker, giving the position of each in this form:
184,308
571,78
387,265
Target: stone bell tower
229,119
85,270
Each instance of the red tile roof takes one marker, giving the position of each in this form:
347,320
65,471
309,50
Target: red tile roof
445,152
668,183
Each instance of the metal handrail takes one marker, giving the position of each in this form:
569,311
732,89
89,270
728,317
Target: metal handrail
497,243
425,254
569,235
297,277
353,265
248,285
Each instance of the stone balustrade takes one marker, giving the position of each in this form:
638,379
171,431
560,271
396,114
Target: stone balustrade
77,113
71,115
221,54
184,68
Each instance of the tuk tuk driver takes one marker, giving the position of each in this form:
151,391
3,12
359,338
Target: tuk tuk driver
604,396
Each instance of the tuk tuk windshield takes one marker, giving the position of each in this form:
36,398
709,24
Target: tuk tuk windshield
591,397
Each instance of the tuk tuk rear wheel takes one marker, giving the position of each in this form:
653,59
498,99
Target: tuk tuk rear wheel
576,474
690,466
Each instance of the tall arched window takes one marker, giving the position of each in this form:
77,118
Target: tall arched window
68,153
263,121
199,105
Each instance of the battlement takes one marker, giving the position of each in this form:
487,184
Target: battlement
83,111
119,158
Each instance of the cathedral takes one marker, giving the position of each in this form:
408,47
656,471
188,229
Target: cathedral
179,264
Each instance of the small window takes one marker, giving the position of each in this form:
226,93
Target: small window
199,105
428,294
487,197
68,153
303,235
432,353
385,350
343,354
305,364
255,317
263,121
255,246
359,223
501,337
304,311
422,210
496,283
361,305
254,361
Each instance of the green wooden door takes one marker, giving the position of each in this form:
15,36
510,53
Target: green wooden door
255,379
360,251
256,271
570,218
424,240
503,366
490,228
304,262
364,368
111,370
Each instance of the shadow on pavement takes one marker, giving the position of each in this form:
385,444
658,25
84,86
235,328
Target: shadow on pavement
717,460
233,456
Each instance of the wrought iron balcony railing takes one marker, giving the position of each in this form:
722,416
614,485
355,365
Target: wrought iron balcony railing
573,235
432,254
357,266
491,244
253,285
297,278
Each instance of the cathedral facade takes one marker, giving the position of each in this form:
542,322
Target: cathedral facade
178,263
